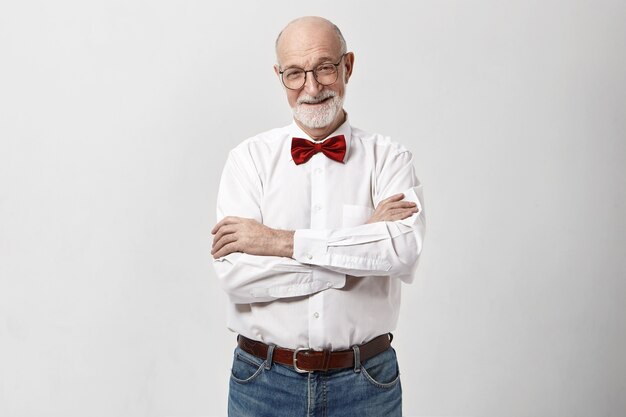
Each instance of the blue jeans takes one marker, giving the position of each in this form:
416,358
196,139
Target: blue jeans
263,388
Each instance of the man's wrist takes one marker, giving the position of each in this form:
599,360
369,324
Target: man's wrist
284,243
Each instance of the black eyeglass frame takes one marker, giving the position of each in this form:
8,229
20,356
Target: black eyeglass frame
313,71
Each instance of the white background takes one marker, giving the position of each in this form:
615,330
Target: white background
115,121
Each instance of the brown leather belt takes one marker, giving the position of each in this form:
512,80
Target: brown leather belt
308,360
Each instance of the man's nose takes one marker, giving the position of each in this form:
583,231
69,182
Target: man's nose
311,86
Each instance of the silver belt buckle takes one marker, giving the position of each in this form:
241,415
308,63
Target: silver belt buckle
295,360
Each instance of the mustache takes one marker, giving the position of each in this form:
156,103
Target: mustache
313,100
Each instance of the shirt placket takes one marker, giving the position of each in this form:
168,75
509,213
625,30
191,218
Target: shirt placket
319,212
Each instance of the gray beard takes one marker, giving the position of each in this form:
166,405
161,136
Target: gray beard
321,117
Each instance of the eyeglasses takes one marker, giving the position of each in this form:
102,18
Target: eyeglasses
325,74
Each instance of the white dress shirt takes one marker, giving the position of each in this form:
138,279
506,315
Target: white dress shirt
342,286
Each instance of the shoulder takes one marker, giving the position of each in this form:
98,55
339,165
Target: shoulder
261,143
381,145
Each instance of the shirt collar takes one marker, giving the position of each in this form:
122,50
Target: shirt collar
344,129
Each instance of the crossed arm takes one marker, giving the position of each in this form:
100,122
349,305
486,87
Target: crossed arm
240,234
256,263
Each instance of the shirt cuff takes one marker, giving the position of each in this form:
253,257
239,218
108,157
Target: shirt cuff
320,279
310,246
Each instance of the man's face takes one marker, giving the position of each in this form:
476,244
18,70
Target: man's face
307,46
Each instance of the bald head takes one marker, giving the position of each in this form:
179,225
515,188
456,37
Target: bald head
314,45
305,32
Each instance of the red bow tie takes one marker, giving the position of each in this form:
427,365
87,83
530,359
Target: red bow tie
302,149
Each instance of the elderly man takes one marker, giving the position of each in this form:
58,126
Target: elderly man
319,224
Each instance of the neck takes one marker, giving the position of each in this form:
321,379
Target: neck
323,132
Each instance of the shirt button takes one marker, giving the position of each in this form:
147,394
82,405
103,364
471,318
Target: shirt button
309,256
329,284
316,315
317,207
318,170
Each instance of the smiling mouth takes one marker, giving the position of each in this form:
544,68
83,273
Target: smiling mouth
314,103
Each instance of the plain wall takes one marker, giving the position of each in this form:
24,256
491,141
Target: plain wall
115,121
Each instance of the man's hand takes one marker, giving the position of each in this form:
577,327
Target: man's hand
240,234
392,208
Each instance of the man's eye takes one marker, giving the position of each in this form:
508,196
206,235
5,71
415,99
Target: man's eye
292,75
326,68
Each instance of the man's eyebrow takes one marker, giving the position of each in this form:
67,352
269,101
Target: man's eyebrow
325,59
318,62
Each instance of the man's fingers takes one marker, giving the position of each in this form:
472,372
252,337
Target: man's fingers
401,204
396,207
230,248
400,216
394,197
217,226
224,230
397,214
225,220
402,211
225,240
410,212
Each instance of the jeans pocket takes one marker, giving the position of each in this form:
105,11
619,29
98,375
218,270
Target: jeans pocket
246,367
382,370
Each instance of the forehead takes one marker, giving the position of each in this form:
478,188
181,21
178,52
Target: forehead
305,46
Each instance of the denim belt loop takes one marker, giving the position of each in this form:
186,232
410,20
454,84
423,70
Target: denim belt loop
270,352
357,358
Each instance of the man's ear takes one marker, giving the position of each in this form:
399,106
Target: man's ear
348,66
277,70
